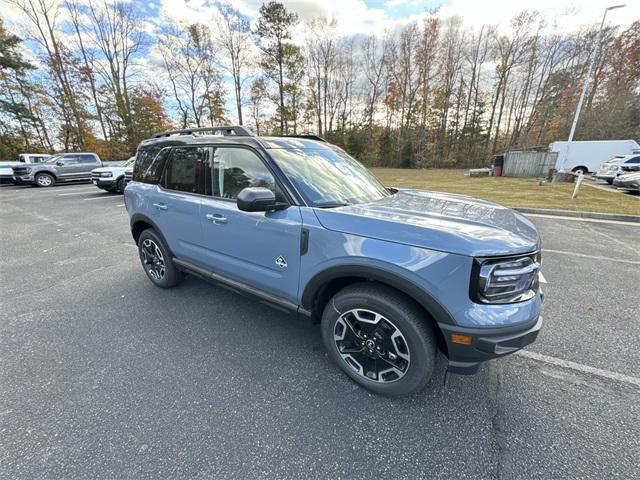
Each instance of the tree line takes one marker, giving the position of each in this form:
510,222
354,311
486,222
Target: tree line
430,93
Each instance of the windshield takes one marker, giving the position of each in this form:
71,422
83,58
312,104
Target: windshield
129,162
328,178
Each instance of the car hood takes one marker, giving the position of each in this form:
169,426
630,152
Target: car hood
438,221
108,169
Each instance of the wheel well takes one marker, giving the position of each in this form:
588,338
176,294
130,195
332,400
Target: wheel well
330,288
46,172
139,227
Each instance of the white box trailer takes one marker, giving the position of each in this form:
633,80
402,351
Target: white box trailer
588,156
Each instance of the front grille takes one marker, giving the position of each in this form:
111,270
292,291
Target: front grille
95,176
20,171
128,176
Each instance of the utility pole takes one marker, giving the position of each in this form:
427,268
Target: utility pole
585,86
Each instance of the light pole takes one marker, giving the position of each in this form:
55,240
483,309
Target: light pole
585,86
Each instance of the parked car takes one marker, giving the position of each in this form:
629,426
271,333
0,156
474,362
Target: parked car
628,181
128,174
6,168
62,167
606,172
392,275
111,178
588,156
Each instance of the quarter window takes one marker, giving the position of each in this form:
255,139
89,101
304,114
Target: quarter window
237,168
149,165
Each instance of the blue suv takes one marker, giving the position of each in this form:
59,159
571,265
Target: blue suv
392,275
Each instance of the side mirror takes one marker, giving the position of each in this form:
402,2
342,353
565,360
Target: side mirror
59,163
257,199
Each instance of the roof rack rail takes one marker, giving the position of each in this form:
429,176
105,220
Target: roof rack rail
308,136
230,130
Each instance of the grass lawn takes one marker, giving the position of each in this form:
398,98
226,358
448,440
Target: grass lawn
512,192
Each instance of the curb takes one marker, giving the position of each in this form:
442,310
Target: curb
573,213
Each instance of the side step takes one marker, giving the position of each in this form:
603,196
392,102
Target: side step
240,287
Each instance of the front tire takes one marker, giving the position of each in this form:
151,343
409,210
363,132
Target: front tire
120,185
157,260
44,180
380,338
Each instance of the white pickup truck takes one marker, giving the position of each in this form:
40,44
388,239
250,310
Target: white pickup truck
6,168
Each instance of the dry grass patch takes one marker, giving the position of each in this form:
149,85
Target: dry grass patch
512,192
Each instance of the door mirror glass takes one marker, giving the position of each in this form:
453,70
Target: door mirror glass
60,163
256,199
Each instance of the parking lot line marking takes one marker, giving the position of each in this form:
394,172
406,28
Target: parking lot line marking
578,219
102,197
595,257
121,205
579,367
77,192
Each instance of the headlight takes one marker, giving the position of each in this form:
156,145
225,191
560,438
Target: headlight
505,280
106,174
28,170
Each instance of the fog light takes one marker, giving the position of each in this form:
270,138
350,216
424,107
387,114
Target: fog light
461,339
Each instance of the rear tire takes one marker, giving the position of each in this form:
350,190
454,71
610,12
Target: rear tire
44,180
157,260
380,338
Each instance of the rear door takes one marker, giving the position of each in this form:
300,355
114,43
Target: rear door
261,249
88,162
176,201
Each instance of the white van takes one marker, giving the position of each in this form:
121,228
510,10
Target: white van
588,156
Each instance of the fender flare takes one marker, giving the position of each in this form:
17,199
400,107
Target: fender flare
404,285
138,217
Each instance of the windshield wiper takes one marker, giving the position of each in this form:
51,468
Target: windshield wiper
331,204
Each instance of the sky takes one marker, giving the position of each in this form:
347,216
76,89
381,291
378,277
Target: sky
364,16
370,16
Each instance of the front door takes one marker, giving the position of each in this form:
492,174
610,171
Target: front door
69,167
261,249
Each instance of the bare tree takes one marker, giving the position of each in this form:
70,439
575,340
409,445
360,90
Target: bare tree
232,35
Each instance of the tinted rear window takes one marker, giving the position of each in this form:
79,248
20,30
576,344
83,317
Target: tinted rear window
149,165
184,171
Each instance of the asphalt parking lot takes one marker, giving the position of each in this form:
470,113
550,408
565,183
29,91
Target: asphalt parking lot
102,375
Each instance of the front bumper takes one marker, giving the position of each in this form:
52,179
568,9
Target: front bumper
103,182
486,344
607,175
24,179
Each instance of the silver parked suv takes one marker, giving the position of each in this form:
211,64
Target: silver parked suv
62,167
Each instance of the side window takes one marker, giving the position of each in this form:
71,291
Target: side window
149,164
237,168
70,159
87,159
633,160
183,172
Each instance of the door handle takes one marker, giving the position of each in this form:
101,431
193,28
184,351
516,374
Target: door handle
216,218
160,206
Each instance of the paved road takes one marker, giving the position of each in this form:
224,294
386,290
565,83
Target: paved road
104,376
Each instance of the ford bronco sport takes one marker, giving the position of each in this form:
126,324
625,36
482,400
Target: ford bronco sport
392,275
